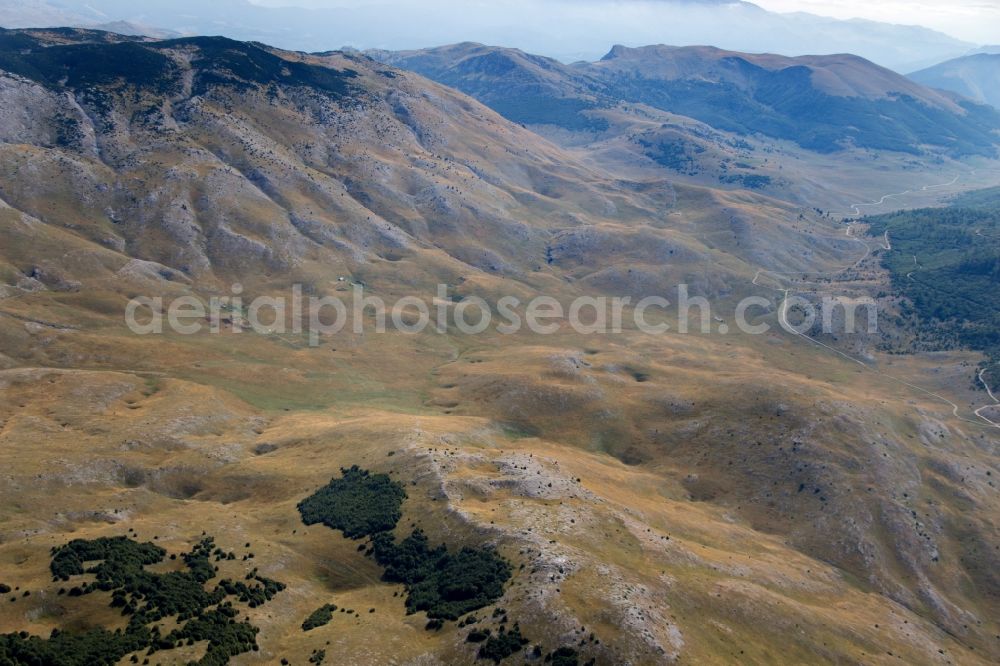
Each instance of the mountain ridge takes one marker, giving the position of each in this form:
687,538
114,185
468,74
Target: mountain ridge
824,103
975,76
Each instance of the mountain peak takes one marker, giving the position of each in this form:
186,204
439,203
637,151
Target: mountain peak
617,51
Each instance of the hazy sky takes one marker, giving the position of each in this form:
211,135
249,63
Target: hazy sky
568,30
975,21
972,20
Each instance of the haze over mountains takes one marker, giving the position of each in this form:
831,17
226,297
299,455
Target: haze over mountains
975,76
586,29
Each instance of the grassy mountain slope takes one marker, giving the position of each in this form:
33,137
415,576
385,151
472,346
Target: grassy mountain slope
703,498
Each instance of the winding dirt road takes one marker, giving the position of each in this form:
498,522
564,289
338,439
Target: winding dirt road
786,325
857,207
990,393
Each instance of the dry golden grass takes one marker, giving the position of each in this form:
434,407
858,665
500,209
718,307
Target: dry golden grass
817,512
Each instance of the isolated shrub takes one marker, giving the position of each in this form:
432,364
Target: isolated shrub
445,585
319,617
502,645
359,504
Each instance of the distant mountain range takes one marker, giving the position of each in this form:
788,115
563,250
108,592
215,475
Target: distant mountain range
823,103
583,27
975,76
